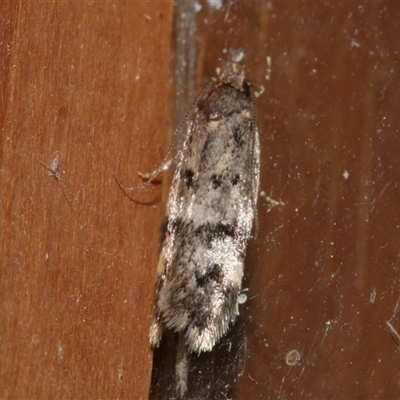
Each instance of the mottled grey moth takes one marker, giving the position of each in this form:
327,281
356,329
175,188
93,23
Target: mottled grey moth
209,215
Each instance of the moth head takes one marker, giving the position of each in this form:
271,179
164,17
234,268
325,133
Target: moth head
232,74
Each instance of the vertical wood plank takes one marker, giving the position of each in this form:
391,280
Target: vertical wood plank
83,92
322,316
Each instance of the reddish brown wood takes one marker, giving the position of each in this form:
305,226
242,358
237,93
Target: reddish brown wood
323,274
86,81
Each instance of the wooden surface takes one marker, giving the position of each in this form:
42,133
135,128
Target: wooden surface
83,92
323,274
87,84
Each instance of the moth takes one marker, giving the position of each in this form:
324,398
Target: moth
209,214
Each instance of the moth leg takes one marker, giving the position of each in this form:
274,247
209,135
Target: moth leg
149,177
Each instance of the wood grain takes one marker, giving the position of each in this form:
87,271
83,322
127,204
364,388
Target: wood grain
323,273
83,93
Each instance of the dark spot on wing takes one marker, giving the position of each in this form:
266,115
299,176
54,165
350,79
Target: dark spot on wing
214,274
188,176
222,230
216,181
238,135
235,180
